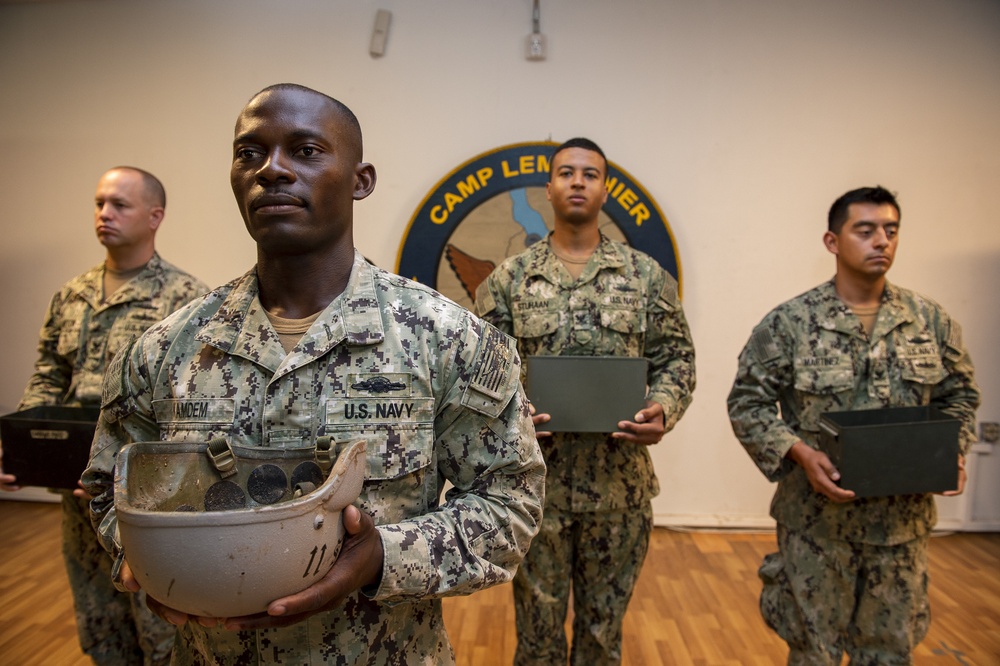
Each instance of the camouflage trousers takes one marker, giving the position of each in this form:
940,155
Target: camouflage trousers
599,556
115,629
825,597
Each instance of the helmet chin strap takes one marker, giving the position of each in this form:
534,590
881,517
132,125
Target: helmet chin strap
248,481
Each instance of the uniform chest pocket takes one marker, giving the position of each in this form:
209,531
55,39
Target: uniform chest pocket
921,365
627,322
822,384
134,324
401,480
69,340
534,324
828,379
924,371
920,372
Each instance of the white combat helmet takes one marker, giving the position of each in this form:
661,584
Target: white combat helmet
214,531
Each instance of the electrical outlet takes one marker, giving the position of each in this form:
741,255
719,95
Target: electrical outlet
989,431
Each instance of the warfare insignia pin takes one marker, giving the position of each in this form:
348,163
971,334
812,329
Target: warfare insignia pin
378,384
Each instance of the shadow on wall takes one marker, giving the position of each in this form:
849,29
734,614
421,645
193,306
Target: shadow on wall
30,280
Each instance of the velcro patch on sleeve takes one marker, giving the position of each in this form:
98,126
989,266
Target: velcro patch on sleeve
485,303
668,294
116,398
953,349
487,393
763,345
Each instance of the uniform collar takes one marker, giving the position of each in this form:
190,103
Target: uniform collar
142,287
543,262
837,315
360,311
240,326
892,314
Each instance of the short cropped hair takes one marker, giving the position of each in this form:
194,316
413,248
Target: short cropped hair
156,195
579,142
872,195
353,124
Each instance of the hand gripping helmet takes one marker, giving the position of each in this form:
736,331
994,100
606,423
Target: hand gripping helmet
220,531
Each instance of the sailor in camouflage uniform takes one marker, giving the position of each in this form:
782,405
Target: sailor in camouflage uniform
88,321
577,293
312,344
850,574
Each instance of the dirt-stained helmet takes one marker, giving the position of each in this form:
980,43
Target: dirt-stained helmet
216,531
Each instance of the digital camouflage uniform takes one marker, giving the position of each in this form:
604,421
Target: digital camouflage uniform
849,576
79,338
598,517
451,410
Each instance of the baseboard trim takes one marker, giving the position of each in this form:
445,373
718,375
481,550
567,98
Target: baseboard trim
31,495
766,523
702,521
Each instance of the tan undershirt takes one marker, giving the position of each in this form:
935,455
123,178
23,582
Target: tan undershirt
115,280
290,331
867,316
573,265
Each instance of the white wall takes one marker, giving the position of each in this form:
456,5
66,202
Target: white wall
743,119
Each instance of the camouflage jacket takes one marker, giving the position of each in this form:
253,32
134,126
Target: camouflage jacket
458,415
81,334
811,355
623,304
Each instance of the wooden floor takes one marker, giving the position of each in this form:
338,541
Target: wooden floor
696,601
